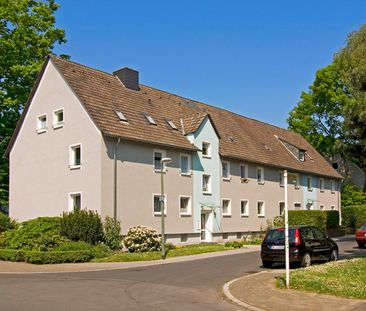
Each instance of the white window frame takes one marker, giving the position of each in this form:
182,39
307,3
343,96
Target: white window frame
189,173
55,124
263,214
71,200
208,184
302,155
321,184
261,181
189,207
227,214
332,207
72,165
298,203
163,155
309,185
247,208
228,177
245,177
39,124
281,178
332,186
165,204
279,207
321,207
208,155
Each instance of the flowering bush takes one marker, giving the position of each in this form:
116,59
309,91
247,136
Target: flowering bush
142,239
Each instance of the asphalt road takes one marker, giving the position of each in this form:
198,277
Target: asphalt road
191,285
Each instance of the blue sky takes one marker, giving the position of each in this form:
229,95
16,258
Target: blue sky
251,57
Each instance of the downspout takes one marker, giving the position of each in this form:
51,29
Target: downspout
115,178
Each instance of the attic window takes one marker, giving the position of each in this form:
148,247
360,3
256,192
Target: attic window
150,119
121,116
302,155
172,125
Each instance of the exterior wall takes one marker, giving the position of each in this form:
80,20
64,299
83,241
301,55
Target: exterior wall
211,166
327,197
137,181
40,178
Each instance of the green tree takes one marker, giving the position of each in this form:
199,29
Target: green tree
27,35
351,64
351,195
319,115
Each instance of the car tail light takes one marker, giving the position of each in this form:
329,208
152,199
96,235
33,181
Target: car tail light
297,238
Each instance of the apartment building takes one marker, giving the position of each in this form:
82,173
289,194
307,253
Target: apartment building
93,140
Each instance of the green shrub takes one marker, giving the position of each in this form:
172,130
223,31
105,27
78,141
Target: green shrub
6,222
354,216
42,234
142,239
169,246
82,225
332,219
351,195
234,244
50,257
97,251
112,233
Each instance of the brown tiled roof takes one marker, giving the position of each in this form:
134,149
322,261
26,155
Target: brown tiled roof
240,137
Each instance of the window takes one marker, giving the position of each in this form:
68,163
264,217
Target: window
243,171
150,119
121,116
302,155
158,156
172,125
75,201
309,181
294,179
321,207
281,178
332,186
297,206
226,207
206,183
75,156
225,170
321,184
42,124
281,206
185,205
244,208
206,149
260,175
58,118
185,164
332,207
157,204
260,208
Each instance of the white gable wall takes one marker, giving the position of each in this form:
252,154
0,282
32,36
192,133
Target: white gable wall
40,177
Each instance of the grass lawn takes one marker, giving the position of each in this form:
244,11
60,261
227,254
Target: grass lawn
178,251
346,278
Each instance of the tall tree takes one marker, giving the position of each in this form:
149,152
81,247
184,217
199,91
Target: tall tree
27,35
319,115
351,64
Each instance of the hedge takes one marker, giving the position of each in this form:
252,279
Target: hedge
354,216
50,257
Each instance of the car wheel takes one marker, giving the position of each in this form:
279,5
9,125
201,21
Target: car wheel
361,245
306,260
267,264
333,255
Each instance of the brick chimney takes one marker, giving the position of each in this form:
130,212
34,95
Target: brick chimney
128,77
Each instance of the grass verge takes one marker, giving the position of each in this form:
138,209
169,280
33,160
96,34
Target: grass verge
178,251
345,278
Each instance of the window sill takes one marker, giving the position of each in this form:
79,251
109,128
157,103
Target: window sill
244,180
282,186
186,174
43,130
185,215
226,178
58,125
226,215
297,187
206,193
260,182
159,171
261,216
332,192
158,214
322,191
206,156
74,167
244,215
311,189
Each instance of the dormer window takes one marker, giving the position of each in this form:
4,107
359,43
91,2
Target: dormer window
302,155
172,125
58,118
121,116
206,150
150,119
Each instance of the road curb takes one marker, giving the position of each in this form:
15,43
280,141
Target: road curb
227,293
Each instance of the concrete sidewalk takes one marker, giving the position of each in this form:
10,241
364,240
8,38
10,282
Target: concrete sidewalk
21,267
258,292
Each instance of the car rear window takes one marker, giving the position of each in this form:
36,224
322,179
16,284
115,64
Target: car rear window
276,235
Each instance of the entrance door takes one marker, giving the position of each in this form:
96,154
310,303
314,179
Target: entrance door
206,226
203,226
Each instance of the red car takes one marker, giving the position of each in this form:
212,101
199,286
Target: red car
361,236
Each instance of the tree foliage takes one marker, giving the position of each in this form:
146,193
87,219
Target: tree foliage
27,35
